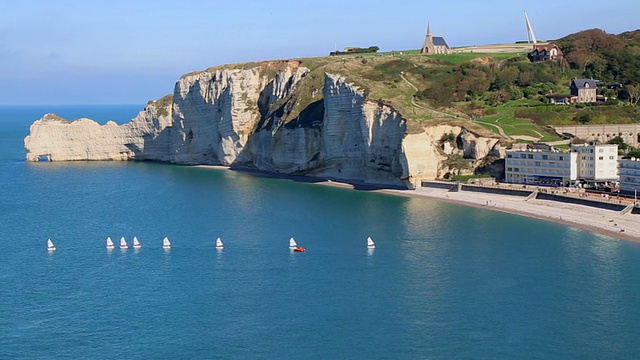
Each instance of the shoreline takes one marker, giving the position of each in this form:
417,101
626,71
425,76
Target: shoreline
601,221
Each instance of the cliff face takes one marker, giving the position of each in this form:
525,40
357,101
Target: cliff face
339,135
276,116
215,113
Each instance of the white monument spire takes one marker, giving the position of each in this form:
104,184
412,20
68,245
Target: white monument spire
530,35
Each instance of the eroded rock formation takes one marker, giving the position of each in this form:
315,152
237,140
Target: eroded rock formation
273,116
146,137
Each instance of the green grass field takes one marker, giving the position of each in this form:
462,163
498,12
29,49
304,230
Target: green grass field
395,79
460,58
521,129
523,102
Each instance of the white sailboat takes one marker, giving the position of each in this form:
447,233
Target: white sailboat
50,245
123,243
370,243
166,244
219,244
136,243
293,246
110,244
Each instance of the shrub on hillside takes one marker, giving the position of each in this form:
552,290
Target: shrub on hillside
583,118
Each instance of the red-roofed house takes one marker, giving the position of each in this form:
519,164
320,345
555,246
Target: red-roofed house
546,52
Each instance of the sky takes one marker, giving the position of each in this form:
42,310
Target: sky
131,51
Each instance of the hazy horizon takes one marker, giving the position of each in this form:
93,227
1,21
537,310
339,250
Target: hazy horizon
72,52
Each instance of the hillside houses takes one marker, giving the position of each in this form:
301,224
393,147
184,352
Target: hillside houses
545,52
582,91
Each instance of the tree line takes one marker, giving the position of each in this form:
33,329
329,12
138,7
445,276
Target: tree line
356,50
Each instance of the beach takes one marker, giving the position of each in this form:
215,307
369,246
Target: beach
601,221
597,220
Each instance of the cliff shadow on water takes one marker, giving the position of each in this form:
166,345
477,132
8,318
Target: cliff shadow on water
356,185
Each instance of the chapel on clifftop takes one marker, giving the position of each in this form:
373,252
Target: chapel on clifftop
434,45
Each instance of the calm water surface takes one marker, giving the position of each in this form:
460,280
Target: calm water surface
445,281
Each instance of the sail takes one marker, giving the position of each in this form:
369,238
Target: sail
166,244
136,243
370,243
219,243
110,244
292,243
50,245
123,243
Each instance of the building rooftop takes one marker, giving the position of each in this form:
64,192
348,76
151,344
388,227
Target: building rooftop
547,47
584,83
594,143
552,150
540,146
440,41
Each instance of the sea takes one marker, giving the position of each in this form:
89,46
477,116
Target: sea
444,282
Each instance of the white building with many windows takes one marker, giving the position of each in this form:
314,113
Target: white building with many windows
544,166
629,170
597,162
592,165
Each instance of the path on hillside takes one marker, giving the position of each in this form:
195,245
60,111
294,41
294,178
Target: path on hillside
408,82
414,104
538,132
500,129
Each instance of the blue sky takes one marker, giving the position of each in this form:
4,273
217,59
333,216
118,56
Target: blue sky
119,52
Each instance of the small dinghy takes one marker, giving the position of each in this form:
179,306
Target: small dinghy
370,243
50,245
219,244
110,244
136,243
123,243
293,245
166,244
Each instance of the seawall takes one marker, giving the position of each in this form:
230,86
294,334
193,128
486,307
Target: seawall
581,201
539,195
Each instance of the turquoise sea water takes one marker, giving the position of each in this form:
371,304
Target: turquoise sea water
445,281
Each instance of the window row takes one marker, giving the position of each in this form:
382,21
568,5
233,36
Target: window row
551,164
538,171
536,156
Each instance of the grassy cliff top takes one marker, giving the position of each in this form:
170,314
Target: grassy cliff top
503,93
392,78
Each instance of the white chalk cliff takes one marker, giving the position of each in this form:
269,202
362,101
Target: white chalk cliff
269,117
143,138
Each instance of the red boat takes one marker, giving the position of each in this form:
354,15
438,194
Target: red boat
298,249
